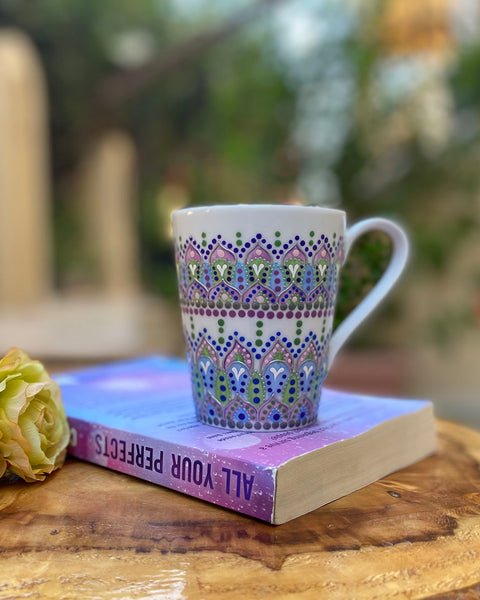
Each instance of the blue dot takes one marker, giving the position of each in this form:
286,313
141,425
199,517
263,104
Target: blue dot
292,381
291,399
276,417
223,388
291,390
242,416
223,397
256,381
256,390
256,399
222,378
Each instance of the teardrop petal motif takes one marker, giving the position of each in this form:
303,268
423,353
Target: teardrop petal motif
256,389
276,374
238,377
240,354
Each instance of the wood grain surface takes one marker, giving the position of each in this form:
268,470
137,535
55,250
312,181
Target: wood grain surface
91,533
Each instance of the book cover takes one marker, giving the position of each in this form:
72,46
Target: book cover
137,417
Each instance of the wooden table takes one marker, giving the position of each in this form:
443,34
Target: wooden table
90,533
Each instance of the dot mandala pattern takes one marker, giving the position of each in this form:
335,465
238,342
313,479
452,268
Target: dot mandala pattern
232,389
258,275
268,382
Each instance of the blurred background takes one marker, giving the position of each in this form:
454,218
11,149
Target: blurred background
115,113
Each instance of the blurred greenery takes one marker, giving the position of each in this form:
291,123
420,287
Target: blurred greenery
247,120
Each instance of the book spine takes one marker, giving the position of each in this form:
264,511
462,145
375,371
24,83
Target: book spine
239,485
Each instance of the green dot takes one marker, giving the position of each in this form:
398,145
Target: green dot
299,323
239,242
334,235
312,233
204,243
259,332
259,323
238,234
258,343
221,340
220,330
193,336
299,332
221,322
277,234
296,341
204,235
322,338
310,243
278,243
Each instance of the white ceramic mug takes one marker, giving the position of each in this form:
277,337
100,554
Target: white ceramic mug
258,287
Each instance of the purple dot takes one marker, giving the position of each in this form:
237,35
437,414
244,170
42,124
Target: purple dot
280,315
215,313
208,312
251,313
202,312
241,313
232,313
277,280
289,314
270,315
240,279
298,315
260,314
259,236
278,288
314,313
307,313
223,313
196,311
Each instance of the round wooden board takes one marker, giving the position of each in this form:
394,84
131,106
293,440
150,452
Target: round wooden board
88,532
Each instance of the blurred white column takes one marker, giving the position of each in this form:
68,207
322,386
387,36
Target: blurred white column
108,195
26,268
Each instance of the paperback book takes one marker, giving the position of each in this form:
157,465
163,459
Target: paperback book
137,417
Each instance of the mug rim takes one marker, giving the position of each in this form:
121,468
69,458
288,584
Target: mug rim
264,207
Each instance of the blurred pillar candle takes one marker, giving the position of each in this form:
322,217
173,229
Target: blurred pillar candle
26,266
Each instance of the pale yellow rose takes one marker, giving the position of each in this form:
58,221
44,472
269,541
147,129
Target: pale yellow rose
34,431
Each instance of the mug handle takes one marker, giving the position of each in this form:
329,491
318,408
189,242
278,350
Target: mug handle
397,263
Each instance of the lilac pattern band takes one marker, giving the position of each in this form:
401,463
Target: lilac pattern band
256,274
234,390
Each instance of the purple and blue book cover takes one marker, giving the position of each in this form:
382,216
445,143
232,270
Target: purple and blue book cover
137,417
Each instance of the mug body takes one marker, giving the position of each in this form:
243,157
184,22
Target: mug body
257,287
